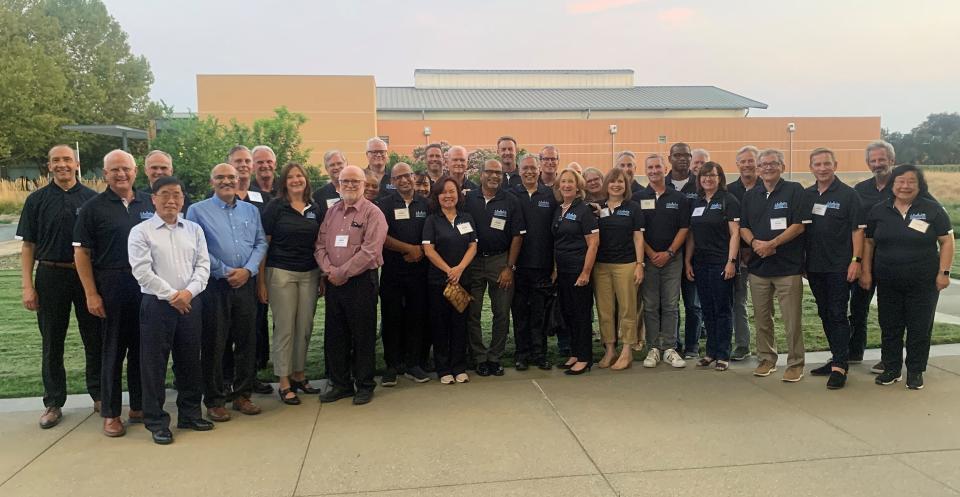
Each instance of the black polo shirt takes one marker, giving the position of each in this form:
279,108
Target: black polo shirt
834,215
766,215
451,241
617,227
537,249
635,187
511,180
664,217
293,235
469,186
710,228
404,223
569,230
324,199
689,189
386,185
738,189
906,248
47,220
104,223
497,220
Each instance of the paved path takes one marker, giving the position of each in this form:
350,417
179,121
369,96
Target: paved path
639,432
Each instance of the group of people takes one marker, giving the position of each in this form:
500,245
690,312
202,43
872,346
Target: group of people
151,275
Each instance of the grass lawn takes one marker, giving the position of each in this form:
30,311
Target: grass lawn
20,342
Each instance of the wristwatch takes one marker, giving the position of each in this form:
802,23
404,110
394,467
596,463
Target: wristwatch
945,272
672,253
734,260
856,259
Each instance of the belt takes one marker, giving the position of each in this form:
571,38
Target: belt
64,265
491,254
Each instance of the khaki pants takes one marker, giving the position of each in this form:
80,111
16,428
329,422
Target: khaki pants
789,293
293,301
614,284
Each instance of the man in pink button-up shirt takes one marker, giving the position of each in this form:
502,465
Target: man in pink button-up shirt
349,250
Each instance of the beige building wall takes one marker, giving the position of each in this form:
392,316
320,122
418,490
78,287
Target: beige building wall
341,111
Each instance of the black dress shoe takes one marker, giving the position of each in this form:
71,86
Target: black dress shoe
198,424
303,386
362,397
564,365
574,372
163,436
496,369
545,365
262,388
335,394
824,370
483,369
521,365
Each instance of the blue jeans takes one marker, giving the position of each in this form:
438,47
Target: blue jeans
692,317
832,292
716,301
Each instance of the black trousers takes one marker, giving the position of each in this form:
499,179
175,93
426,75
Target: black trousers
449,330
403,311
121,339
263,344
350,332
830,291
532,288
163,330
859,310
228,315
906,304
576,303
57,290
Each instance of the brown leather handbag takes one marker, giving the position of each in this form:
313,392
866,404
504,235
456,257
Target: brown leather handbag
457,296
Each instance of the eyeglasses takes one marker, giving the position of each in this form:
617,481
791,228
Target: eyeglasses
492,172
377,152
403,176
169,195
351,182
769,165
709,176
548,159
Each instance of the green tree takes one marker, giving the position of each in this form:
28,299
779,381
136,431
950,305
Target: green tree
282,134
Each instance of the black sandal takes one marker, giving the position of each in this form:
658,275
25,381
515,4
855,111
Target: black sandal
304,386
291,401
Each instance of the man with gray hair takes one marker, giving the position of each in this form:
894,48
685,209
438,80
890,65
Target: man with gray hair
333,161
700,157
549,160
265,169
747,164
158,164
457,168
377,155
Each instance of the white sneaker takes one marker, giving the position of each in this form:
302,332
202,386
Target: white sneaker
672,357
653,358
446,379
463,378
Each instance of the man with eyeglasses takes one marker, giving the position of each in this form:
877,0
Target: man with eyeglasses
112,293
747,165
403,280
682,180
507,151
500,229
324,197
771,223
549,160
236,244
433,155
158,164
377,163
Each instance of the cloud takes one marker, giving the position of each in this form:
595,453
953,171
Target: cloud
594,6
676,15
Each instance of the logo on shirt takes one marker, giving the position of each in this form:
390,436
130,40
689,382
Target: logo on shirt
77,213
500,212
833,204
311,215
571,216
146,215
692,196
716,206
543,203
672,205
420,214
391,187
781,205
918,215
622,212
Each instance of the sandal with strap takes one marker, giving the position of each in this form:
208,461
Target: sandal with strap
722,365
290,401
303,385
705,361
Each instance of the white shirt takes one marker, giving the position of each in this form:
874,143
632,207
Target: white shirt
168,258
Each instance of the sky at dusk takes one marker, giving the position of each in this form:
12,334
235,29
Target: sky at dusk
894,59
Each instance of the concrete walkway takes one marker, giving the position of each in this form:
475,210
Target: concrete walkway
639,432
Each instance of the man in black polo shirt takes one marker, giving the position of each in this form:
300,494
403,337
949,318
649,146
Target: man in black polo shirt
265,170
457,168
771,223
333,161
680,178
112,293
377,155
627,161
834,244
433,156
158,164
403,279
549,162
507,151
747,164
666,214
499,232
46,230
532,285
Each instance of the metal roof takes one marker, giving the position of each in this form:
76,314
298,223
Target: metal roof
562,99
109,130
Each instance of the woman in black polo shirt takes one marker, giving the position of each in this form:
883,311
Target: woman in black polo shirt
619,269
710,259
575,241
291,224
900,250
449,243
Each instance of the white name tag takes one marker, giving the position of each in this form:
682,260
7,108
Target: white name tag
464,228
820,209
919,225
647,204
341,241
399,214
698,211
778,223
331,202
604,212
255,197
498,223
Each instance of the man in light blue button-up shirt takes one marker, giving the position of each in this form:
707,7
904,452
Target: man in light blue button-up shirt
237,244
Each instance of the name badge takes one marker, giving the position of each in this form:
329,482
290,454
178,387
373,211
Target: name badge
698,211
919,225
341,241
498,223
647,204
255,197
399,214
820,209
604,212
778,223
464,228
331,202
